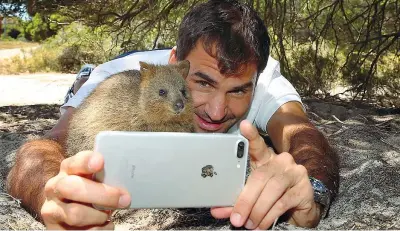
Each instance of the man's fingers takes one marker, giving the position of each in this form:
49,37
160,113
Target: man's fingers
83,163
278,209
263,188
258,150
250,193
221,212
72,214
51,215
87,191
273,190
300,196
50,187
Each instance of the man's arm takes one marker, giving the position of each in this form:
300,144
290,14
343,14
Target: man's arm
291,131
36,162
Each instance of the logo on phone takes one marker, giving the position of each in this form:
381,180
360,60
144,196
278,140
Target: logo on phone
208,170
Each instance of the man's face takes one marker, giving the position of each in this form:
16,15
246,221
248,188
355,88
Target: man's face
219,100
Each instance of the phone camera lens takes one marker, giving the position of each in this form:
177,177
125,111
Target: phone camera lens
240,151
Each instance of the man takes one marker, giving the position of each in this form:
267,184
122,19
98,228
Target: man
230,80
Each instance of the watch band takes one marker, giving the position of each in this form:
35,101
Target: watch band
322,195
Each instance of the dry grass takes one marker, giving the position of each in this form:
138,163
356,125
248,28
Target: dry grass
34,61
16,44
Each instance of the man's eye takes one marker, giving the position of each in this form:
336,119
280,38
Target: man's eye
203,83
239,92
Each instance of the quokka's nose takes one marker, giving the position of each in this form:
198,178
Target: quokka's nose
179,105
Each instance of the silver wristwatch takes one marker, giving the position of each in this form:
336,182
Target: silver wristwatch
322,195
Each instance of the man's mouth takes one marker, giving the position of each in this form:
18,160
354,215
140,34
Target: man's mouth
208,126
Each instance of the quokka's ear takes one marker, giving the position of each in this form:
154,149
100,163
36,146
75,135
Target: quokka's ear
183,68
146,68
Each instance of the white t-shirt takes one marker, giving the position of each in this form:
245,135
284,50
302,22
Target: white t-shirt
272,90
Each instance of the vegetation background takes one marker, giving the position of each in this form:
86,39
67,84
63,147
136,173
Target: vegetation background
321,44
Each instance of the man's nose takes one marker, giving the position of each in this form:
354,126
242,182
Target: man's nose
216,108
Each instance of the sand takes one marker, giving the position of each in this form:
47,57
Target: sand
368,145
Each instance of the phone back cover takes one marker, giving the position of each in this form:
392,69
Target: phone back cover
173,170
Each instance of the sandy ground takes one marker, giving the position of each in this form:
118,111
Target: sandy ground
367,143
49,88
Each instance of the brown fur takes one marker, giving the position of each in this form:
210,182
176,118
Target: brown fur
24,182
130,101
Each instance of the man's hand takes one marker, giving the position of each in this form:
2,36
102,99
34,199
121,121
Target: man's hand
70,195
276,185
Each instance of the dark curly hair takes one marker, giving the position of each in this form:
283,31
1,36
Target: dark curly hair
230,31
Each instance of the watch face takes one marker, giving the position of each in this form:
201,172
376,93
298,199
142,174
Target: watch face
321,193
318,185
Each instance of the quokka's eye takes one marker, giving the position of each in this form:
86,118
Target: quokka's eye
162,92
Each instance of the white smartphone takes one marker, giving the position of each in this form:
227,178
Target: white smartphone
174,170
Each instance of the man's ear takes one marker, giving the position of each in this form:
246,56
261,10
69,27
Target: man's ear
183,68
172,56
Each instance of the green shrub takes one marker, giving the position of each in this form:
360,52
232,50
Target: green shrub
72,47
78,45
14,33
39,28
311,73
